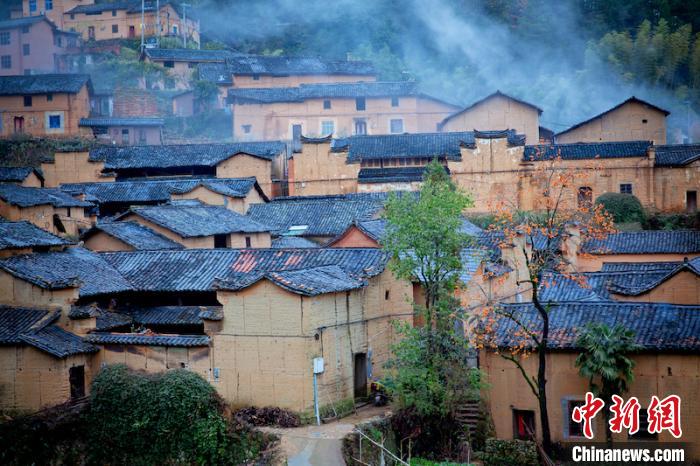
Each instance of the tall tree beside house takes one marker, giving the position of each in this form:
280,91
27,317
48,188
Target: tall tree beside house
540,240
605,362
425,241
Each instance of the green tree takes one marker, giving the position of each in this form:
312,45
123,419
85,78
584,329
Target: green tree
604,361
624,208
425,242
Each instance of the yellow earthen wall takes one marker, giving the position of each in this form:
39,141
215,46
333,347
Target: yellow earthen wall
16,292
243,166
101,241
72,167
156,358
682,288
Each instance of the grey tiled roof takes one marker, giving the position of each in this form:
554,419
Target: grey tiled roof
677,155
646,242
285,66
192,55
587,150
630,287
287,242
23,196
199,220
309,282
42,84
422,145
218,73
198,269
20,22
657,326
65,269
34,327
324,215
135,235
370,89
131,6
121,121
147,339
136,191
17,174
174,315
182,155
375,229
631,99
16,235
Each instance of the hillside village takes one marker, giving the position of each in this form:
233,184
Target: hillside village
246,250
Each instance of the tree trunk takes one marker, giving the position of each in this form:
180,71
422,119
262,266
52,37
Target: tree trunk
542,374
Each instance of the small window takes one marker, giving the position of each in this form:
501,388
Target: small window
327,128
396,126
125,136
76,378
575,428
326,104
256,77
115,28
220,241
32,5
248,243
644,121
25,29
72,16
49,97
691,201
175,30
142,136
4,38
246,128
25,49
55,121
48,5
27,101
585,197
523,424
114,12
394,101
643,432
360,104
386,295
169,64
67,211
626,188
360,127
6,61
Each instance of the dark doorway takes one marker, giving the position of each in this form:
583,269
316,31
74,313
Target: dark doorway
523,424
691,201
360,375
91,32
132,32
19,125
76,376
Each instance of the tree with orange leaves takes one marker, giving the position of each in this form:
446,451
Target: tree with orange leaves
565,214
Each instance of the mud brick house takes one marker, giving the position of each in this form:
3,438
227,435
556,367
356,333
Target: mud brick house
632,120
497,110
182,64
196,225
257,71
316,218
126,130
102,20
33,46
24,176
25,238
125,236
44,105
117,197
49,209
496,165
339,109
639,246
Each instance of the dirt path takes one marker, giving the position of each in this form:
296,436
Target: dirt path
320,445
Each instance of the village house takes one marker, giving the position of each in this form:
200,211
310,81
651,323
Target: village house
24,176
495,166
33,46
44,105
73,166
197,225
113,198
497,110
318,219
632,120
182,64
25,238
338,109
125,236
101,20
126,130
49,209
257,71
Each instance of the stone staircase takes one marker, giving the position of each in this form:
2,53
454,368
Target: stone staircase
468,415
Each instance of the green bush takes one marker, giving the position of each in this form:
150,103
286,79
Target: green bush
624,208
172,417
423,462
510,453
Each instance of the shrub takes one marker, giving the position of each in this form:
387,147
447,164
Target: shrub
268,417
624,208
171,417
510,453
